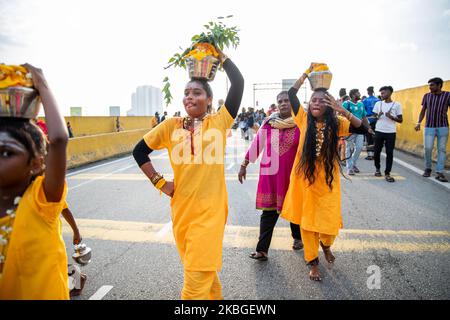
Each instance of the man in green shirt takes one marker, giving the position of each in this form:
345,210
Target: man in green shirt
355,142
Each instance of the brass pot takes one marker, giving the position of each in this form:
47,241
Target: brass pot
19,102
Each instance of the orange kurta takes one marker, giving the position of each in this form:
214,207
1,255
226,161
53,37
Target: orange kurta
200,201
36,260
314,207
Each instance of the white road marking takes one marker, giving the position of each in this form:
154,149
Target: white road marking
161,156
164,230
101,293
102,176
95,167
418,171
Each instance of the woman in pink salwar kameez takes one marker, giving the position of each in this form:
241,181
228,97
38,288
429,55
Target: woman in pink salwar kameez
278,140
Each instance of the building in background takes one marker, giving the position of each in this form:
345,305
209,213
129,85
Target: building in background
145,101
286,84
76,111
114,111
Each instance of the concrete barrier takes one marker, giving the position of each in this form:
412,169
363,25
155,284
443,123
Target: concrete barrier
407,138
84,150
86,126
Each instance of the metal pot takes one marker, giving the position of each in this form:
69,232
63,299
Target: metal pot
320,80
206,68
19,102
82,254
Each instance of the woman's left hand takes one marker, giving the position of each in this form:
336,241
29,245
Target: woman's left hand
38,77
333,104
222,55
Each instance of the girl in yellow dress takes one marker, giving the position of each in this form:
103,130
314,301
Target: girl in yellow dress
33,260
199,204
313,199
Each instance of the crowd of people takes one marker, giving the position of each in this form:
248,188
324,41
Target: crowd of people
382,114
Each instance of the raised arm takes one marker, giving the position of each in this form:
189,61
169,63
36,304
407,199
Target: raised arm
295,103
234,96
55,161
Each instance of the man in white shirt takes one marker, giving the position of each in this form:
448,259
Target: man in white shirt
388,113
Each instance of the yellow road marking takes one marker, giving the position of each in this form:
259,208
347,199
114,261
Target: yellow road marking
139,176
228,176
247,237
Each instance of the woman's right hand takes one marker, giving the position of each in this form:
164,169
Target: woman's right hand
168,188
242,174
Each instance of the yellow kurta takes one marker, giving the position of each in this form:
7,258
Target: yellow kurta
36,260
314,207
200,201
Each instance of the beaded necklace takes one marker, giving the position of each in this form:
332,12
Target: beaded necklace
190,124
6,231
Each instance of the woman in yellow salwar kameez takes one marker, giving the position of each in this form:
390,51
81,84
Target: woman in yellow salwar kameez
196,146
313,199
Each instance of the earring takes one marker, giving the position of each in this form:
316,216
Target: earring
31,172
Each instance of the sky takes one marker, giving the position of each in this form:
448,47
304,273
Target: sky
95,53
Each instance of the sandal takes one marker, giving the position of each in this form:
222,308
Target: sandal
259,255
440,177
377,174
389,178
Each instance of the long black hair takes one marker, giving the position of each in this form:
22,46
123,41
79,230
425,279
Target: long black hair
329,151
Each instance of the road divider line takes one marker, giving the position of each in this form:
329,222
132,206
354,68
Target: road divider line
247,237
100,177
103,291
230,166
96,166
418,171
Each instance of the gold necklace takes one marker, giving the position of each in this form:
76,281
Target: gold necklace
320,137
6,231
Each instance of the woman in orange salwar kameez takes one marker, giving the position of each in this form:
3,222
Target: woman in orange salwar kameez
199,204
313,199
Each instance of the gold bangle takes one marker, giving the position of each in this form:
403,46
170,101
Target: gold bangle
160,183
245,163
155,178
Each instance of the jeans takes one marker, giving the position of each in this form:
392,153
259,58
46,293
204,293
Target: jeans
356,142
268,221
382,138
442,137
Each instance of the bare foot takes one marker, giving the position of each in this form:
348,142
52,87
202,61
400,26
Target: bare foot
328,254
314,273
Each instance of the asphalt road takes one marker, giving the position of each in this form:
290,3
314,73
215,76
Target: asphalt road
395,243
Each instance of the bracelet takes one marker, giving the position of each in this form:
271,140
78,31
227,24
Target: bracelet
155,178
161,182
245,163
224,58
